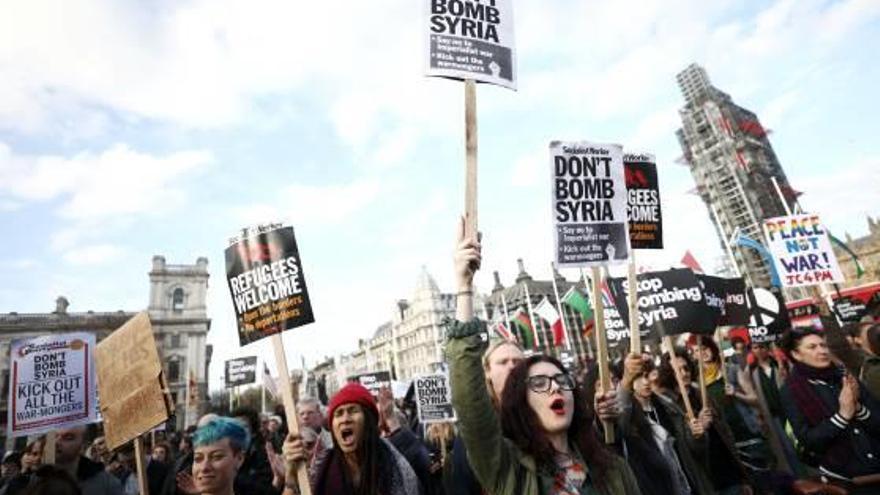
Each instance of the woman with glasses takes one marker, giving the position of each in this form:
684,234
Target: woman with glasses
833,416
544,441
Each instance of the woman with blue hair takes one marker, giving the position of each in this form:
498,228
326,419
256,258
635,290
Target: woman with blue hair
220,446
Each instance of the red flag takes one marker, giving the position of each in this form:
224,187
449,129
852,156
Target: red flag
689,261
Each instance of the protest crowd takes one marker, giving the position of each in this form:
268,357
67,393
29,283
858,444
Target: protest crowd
694,411
787,418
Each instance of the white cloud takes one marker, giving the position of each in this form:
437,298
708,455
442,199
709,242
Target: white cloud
844,198
529,169
96,254
313,205
116,182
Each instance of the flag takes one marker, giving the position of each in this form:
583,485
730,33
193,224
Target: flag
746,241
526,332
578,302
690,261
545,310
856,261
269,382
502,331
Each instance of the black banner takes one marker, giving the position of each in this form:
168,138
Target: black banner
670,303
850,309
643,202
241,371
715,293
373,381
736,307
267,283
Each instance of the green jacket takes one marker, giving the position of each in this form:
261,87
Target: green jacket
500,467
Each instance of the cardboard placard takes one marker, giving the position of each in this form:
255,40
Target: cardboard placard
643,201
130,382
267,283
241,371
768,315
589,204
52,383
802,251
670,303
434,398
470,39
373,381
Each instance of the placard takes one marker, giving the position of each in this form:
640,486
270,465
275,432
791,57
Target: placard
241,371
471,39
52,383
802,251
736,307
769,316
643,201
434,398
670,303
130,382
373,381
267,283
588,193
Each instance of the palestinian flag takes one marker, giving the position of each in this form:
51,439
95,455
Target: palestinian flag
576,301
522,322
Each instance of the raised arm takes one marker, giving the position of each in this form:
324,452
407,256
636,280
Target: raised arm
478,423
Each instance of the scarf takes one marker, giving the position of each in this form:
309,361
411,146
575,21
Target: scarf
711,372
805,397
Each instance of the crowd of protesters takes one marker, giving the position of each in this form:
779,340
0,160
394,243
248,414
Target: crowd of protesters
797,417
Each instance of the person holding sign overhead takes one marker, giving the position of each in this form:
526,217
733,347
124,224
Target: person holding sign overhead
550,446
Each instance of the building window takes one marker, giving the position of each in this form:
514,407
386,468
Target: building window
177,300
175,341
173,371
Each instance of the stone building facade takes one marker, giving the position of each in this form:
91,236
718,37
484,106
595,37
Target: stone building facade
867,248
180,324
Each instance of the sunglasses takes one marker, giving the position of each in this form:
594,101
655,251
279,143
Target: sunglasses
541,383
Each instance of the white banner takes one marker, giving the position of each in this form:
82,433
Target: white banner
802,251
471,39
52,383
589,204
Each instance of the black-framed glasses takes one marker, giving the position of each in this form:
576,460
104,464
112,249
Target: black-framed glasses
541,383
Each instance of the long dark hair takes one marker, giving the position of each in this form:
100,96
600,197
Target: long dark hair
522,426
377,464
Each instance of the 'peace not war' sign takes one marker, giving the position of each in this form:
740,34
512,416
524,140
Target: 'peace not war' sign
267,283
52,383
589,204
471,39
801,251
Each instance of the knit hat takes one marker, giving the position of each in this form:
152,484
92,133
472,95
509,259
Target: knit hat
352,393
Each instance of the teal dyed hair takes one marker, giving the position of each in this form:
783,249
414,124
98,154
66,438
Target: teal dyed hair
219,428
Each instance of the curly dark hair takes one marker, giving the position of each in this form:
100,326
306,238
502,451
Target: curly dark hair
665,373
791,338
522,426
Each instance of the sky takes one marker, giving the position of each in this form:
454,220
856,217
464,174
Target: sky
129,129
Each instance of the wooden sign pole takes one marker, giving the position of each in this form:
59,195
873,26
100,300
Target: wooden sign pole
719,339
635,335
470,132
601,347
141,464
701,371
682,388
301,473
49,448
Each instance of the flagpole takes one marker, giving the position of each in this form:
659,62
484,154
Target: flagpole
588,340
535,330
635,333
559,307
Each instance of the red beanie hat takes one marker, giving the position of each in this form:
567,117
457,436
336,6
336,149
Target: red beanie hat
352,393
